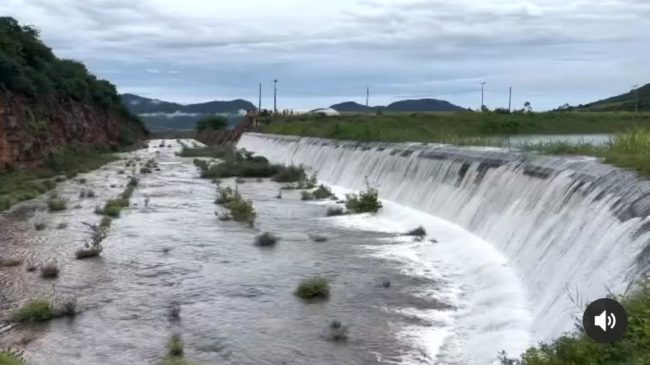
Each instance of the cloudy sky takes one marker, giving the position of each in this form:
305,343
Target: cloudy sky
550,51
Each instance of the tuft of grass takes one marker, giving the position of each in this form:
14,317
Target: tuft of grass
39,226
10,262
266,239
323,192
313,288
337,332
50,270
290,174
305,195
106,222
87,252
241,210
175,346
366,201
36,310
55,204
335,211
11,358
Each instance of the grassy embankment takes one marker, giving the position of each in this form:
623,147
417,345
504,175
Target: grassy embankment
629,149
17,186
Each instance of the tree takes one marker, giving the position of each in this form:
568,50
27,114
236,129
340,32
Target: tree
212,122
528,107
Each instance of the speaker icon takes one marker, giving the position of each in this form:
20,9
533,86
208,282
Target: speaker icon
605,321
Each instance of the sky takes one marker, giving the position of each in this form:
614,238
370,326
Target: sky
550,52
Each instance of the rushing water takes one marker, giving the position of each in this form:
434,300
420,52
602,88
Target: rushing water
557,231
237,299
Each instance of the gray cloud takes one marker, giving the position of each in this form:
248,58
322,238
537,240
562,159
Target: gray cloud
550,51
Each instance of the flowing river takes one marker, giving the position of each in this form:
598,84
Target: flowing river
454,298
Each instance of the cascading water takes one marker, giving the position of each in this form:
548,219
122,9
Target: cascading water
560,230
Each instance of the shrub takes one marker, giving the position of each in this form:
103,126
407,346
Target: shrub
290,174
225,195
56,204
366,202
313,288
211,122
87,252
62,225
133,182
66,308
266,239
305,195
50,270
40,226
334,211
36,310
106,222
323,192
338,332
145,170
86,193
241,210
418,232
11,358
175,346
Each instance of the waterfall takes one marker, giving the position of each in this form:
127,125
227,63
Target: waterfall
573,229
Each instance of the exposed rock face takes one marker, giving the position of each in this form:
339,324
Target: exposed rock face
28,132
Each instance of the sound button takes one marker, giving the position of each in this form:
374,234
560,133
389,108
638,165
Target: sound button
605,321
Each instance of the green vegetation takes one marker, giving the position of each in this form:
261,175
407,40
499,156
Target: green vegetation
50,270
212,122
290,174
418,232
338,332
313,288
366,201
240,210
55,204
10,358
266,239
105,222
30,68
335,211
42,310
627,150
623,102
578,348
304,182
23,185
453,127
238,165
37,310
323,192
175,352
210,151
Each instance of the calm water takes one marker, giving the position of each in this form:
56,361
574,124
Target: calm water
237,299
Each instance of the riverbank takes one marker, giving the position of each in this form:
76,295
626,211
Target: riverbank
453,128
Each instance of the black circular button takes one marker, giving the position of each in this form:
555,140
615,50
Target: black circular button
605,320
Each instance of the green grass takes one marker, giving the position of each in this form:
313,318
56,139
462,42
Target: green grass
55,204
579,349
36,310
176,352
241,210
453,127
21,185
366,201
629,150
313,288
8,358
323,192
210,151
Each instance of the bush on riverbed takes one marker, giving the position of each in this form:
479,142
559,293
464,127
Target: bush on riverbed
266,239
55,204
338,332
323,192
305,195
241,210
366,201
418,232
290,174
335,211
50,270
11,358
313,288
36,310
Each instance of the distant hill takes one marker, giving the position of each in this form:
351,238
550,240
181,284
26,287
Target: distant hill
418,105
163,115
623,102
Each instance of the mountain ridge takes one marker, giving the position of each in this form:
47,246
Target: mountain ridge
407,105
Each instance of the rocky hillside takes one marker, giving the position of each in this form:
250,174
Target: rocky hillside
49,104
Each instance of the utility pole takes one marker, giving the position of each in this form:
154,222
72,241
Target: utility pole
275,96
367,97
482,87
636,88
259,101
510,100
